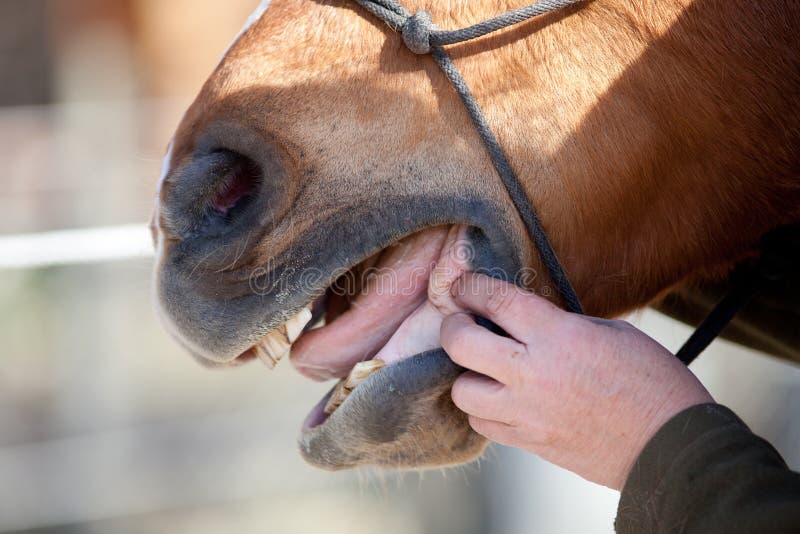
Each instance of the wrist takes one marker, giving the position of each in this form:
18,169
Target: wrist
669,406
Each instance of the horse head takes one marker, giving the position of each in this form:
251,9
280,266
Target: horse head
657,142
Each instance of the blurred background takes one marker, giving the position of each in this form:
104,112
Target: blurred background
105,425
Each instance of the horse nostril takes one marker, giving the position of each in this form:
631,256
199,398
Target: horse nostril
207,192
239,182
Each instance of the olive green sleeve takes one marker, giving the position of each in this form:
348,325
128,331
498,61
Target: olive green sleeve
706,472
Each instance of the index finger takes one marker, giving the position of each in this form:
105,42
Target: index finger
478,349
517,311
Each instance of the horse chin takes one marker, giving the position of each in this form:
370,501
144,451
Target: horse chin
400,417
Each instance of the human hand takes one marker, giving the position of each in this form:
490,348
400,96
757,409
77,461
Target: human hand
586,394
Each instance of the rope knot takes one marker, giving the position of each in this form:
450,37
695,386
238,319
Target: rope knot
417,32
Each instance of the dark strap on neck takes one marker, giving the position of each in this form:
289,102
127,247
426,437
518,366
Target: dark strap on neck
780,256
422,37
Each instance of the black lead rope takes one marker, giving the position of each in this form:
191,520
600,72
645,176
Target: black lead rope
744,284
779,257
421,36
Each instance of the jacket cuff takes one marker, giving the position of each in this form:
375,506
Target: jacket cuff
664,457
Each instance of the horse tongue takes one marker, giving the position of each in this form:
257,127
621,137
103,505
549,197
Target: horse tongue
391,325
331,351
375,314
420,331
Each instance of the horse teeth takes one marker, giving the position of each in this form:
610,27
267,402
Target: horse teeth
358,374
265,357
277,343
337,398
273,347
294,326
361,371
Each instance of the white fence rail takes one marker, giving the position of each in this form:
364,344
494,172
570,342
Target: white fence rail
85,245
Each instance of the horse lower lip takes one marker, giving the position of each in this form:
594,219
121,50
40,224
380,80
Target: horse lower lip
326,406
360,372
